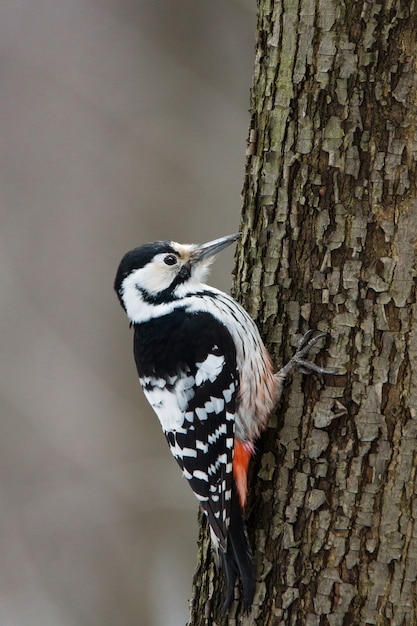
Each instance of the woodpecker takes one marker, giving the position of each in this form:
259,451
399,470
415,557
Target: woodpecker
206,373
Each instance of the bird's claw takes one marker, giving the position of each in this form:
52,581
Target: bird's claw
306,343
306,367
306,338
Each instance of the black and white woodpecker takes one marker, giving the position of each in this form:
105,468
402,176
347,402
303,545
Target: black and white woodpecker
209,378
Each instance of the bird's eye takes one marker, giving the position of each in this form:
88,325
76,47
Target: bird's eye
170,259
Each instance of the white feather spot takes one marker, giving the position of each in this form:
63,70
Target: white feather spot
151,381
200,475
176,451
214,540
190,452
201,414
218,404
220,430
221,460
228,393
201,446
169,405
209,369
208,407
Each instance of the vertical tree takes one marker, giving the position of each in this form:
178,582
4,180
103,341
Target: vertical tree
329,227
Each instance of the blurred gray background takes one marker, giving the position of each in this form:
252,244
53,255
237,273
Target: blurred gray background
121,121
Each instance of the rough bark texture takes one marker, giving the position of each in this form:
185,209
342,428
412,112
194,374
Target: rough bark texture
329,242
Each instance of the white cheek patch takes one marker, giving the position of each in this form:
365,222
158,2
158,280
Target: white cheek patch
155,276
137,309
209,369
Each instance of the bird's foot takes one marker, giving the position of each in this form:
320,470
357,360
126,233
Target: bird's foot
299,360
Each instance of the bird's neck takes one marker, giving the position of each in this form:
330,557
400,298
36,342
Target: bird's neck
141,308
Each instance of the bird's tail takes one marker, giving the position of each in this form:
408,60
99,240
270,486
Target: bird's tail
237,559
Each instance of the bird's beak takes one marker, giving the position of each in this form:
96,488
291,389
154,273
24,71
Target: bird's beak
207,250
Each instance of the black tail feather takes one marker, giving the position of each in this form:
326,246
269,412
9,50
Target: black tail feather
237,560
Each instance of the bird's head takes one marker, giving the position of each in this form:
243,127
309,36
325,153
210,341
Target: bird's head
163,271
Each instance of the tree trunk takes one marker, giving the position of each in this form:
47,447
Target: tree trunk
330,242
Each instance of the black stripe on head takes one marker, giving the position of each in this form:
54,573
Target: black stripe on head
139,257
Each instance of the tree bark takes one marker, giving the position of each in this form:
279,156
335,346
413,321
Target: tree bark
329,227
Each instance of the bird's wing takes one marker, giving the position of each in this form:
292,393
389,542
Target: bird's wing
196,406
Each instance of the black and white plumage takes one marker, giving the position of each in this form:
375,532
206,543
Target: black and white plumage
187,369
207,375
